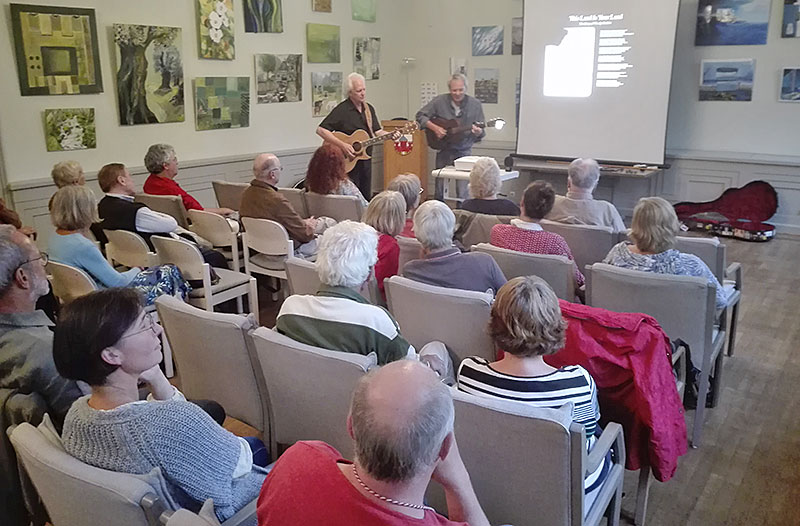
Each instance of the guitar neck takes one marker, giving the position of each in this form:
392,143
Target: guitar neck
375,140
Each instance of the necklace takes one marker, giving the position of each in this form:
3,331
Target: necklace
386,499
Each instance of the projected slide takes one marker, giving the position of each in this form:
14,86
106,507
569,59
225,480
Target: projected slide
569,66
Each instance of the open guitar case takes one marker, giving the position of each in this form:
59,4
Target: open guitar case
738,212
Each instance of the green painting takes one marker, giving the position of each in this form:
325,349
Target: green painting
68,129
216,29
222,102
326,92
364,10
150,75
323,45
263,16
56,49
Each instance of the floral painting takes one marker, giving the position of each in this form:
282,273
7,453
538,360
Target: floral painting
68,129
216,29
263,16
279,78
326,92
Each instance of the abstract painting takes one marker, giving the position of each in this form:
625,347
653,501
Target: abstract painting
69,129
216,29
56,49
326,92
150,74
790,85
279,78
364,10
222,102
487,40
323,45
516,36
367,57
791,17
486,84
732,22
322,6
727,80
263,16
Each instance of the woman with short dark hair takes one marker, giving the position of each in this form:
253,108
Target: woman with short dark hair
108,341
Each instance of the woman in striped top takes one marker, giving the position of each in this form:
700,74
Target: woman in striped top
526,323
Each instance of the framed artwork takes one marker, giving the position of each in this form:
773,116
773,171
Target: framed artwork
458,65
727,80
279,78
486,84
263,16
321,6
516,36
487,40
732,22
323,45
791,17
68,129
326,92
215,20
222,102
790,85
56,50
364,10
367,57
149,74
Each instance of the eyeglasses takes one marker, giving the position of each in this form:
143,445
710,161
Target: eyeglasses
42,256
151,326
421,190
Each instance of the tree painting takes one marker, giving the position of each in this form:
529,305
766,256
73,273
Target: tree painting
263,16
150,75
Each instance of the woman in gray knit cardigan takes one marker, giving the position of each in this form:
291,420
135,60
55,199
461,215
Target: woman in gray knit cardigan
107,340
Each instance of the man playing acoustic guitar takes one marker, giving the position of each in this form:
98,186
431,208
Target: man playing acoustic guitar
456,105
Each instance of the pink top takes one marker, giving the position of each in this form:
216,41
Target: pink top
408,229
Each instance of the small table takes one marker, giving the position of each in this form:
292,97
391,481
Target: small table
449,173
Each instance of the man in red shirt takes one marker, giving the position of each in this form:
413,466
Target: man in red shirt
162,163
401,419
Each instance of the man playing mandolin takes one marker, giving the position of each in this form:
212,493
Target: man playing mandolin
353,113
456,105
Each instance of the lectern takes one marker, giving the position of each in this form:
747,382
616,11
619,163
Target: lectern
415,161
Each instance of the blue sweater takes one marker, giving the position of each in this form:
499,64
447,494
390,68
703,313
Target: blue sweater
77,251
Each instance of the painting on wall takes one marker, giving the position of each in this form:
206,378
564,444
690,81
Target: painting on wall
516,100
326,92
68,129
516,36
790,85
321,6
364,10
487,40
56,50
279,78
791,17
263,16
150,74
222,102
727,80
367,57
216,29
323,45
732,22
458,65
486,84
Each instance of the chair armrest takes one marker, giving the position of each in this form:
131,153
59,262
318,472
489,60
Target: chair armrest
735,270
612,436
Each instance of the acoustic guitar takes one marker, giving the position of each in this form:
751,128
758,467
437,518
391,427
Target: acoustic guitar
455,130
360,141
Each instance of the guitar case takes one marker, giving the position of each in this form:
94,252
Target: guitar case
739,212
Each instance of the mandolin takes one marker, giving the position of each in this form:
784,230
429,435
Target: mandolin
455,130
360,141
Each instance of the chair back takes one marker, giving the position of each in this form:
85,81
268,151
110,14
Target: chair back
309,389
557,271
588,243
472,228
184,255
454,317
229,195
212,227
302,276
339,207
297,199
166,204
214,359
267,237
69,282
710,250
410,249
129,249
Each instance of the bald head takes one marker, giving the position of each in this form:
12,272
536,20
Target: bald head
267,168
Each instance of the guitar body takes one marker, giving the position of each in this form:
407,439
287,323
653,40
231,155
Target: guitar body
355,140
454,132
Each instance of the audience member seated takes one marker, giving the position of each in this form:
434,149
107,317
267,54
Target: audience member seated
411,189
484,184
653,230
66,173
578,207
339,317
73,213
162,163
26,338
386,213
401,418
526,323
442,263
326,174
10,217
107,340
526,234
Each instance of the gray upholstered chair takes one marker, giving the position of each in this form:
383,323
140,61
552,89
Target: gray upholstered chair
589,244
217,230
296,198
229,195
339,207
557,271
69,282
166,204
303,279
454,317
410,249
309,389
128,249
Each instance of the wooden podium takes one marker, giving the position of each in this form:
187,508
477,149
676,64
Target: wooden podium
415,162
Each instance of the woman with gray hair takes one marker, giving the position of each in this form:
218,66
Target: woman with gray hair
66,173
411,189
484,184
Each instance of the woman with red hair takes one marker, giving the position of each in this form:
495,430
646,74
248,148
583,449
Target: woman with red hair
326,174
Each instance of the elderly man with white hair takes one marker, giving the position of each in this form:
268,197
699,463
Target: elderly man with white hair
578,207
339,317
484,185
354,113
401,419
443,264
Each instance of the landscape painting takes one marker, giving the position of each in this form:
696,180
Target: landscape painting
367,57
364,10
791,16
216,29
68,129
222,102
323,45
326,92
279,78
790,85
263,16
150,74
486,84
321,6
516,36
727,80
732,22
56,50
487,40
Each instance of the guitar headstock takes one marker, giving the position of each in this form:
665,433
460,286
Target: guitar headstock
410,127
